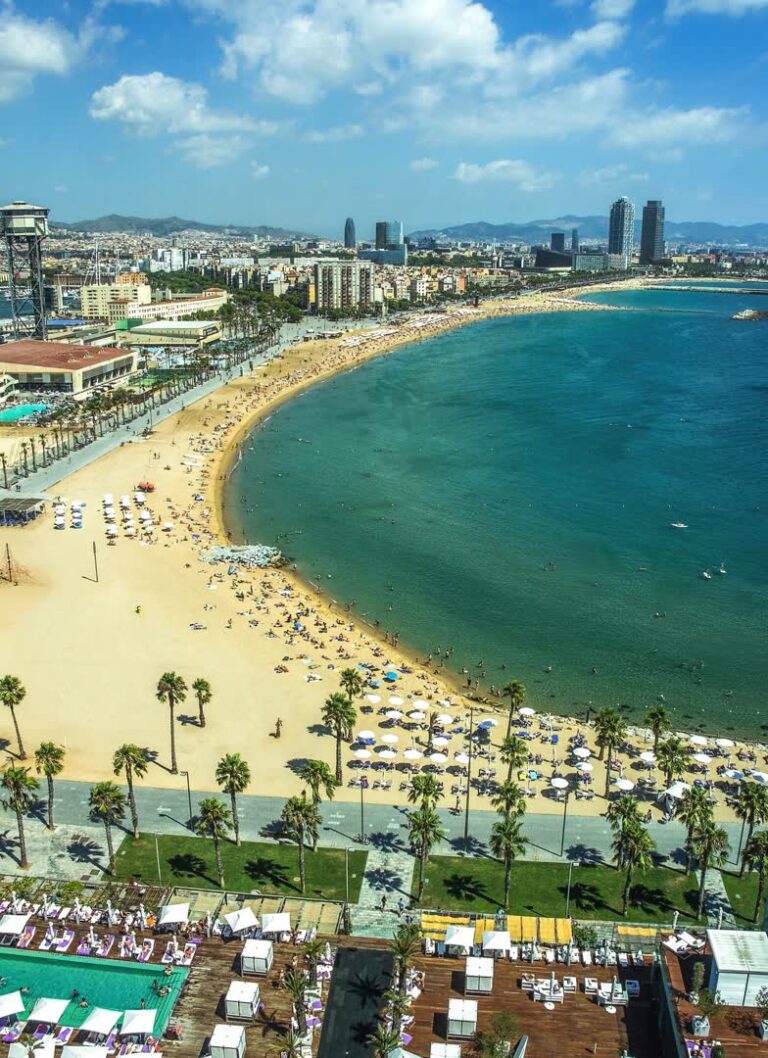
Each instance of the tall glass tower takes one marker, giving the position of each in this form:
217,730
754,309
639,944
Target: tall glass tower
349,234
652,234
389,234
621,228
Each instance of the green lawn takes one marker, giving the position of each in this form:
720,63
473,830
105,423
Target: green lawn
189,861
477,884
742,892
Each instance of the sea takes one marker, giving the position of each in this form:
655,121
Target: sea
502,497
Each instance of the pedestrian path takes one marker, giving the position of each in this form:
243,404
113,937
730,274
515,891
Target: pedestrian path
388,878
717,901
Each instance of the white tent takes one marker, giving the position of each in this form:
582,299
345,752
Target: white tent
461,937
496,940
227,1041
478,976
49,1010
462,1017
257,956
43,1048
138,1022
277,923
173,915
14,924
11,1003
84,1052
242,1000
739,965
675,791
100,1021
241,919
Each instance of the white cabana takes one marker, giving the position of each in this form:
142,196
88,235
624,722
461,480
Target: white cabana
14,924
739,965
49,1010
101,1021
242,919
257,957
138,1022
462,1017
242,1000
11,1003
460,938
478,975
43,1048
497,940
445,1050
173,915
277,923
227,1041
675,791
84,1052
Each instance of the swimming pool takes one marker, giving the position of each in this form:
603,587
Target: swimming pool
22,411
103,982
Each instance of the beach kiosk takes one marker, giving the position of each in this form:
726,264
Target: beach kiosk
257,957
459,940
242,1000
739,965
462,1017
478,975
228,1041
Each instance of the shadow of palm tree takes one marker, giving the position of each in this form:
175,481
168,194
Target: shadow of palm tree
472,847
383,841
584,854
264,870
295,764
85,850
8,847
384,880
191,865
465,887
584,897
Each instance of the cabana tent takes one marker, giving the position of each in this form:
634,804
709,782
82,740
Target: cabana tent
227,1041
49,1010
242,919
280,922
138,1022
11,1003
739,965
462,1017
242,1000
496,940
478,976
101,1021
13,925
173,915
257,957
459,938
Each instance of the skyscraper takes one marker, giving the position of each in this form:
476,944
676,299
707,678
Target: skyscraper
349,234
389,234
621,228
652,233
557,241
574,240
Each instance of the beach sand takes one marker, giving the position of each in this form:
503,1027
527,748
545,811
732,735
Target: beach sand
90,662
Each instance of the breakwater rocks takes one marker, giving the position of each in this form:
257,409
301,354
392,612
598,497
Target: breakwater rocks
750,314
249,556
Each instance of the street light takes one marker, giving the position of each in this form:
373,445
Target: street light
363,839
469,780
562,784
189,796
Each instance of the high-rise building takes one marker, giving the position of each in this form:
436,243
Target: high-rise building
389,234
557,241
652,233
344,285
621,228
349,234
574,240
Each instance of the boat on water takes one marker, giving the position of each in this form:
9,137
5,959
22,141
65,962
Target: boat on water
706,574
721,568
521,1048
679,525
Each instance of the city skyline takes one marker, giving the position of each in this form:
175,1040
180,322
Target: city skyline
438,114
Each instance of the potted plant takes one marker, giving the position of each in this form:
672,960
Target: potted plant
697,980
710,1004
761,1002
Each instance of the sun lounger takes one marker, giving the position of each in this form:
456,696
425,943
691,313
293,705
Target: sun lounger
84,947
49,941
675,945
691,941
147,947
429,946
623,959
190,950
586,957
64,914
65,940
63,1035
127,948
27,936
14,1032
590,986
106,945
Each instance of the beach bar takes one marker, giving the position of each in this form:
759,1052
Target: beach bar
257,957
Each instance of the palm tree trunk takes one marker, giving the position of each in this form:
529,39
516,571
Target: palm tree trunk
50,803
338,756
301,863
509,718
132,803
23,861
235,818
507,874
422,868
174,766
760,894
201,712
608,770
656,734
110,847
22,753
688,853
219,864
627,889
703,868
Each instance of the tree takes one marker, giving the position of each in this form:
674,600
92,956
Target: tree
384,1040
18,786
621,814
319,778
351,683
509,800
132,760
301,819
213,821
755,858
172,689
233,776
496,1041
12,693
405,946
611,732
751,808
710,843
514,753
107,804
425,832
632,848
673,757
515,691
398,1005
203,693
49,761
693,809
660,722
313,951
295,984
506,844
427,788
340,715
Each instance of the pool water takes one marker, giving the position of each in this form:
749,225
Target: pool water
103,982
21,411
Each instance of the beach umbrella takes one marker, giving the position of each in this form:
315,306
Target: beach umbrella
362,754
167,526
390,737
109,513
374,699
416,714
585,766
733,773
648,756
59,509
582,752
559,784
438,758
49,1010
386,754
625,785
395,700
724,743
489,721
11,1003
366,736
462,758
108,500
440,740
140,1022
413,754
702,758
698,740
100,1021
130,530
444,718
393,714
391,677
419,703
759,776
527,711
112,530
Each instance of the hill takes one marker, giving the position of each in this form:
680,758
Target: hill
170,226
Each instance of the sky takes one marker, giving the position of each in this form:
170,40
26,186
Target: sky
299,113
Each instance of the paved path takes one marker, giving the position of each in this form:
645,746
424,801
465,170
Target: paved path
388,875
717,901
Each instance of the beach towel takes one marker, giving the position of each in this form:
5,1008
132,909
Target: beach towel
147,947
14,1032
27,937
65,941
106,945
64,1034
84,947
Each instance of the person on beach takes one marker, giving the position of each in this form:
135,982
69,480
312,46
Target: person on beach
278,728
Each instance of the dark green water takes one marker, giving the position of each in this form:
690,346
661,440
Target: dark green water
507,490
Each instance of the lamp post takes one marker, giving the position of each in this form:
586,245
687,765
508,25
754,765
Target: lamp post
189,796
562,784
363,839
469,780
157,854
568,894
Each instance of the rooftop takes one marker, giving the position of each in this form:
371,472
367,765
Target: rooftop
31,352
739,951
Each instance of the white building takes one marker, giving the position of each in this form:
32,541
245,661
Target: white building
739,965
344,285
95,300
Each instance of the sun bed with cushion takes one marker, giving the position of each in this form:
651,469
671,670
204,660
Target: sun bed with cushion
27,936
65,940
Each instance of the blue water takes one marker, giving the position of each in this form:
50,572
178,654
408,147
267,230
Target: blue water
21,411
507,490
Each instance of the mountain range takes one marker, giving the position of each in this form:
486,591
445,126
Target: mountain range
170,226
596,227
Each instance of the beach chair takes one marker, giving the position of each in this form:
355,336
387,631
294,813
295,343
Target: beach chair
586,957
623,959
14,1032
84,947
27,937
65,940
106,945
169,953
147,948
49,941
189,953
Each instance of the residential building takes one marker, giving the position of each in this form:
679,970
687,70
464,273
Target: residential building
175,309
652,232
349,234
389,234
621,229
60,368
419,288
95,300
344,285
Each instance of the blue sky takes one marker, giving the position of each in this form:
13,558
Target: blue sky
301,112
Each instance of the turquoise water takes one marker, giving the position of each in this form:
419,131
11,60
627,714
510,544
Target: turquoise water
508,490
21,411
103,982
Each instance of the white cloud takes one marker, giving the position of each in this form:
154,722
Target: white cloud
29,48
671,127
676,8
610,174
522,175
612,8
204,151
335,134
258,172
536,57
423,165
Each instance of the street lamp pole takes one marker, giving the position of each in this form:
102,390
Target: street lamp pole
363,839
469,780
565,813
157,854
189,796
568,895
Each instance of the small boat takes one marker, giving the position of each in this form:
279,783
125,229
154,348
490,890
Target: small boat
521,1048
721,568
706,574
679,525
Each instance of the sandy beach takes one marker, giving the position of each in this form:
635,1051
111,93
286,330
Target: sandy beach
90,653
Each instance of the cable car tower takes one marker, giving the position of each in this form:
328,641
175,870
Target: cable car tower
22,229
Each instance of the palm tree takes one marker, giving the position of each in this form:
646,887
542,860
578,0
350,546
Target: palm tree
49,761
509,800
12,693
203,693
694,808
514,753
660,722
301,818
751,808
425,832
397,1006
632,848
295,984
384,1040
426,788
320,779
19,787
351,683
107,803
405,945
172,689
506,844
622,815
292,1045
213,821
233,776
710,843
340,715
611,732
313,951
755,858
131,759
673,757
515,691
